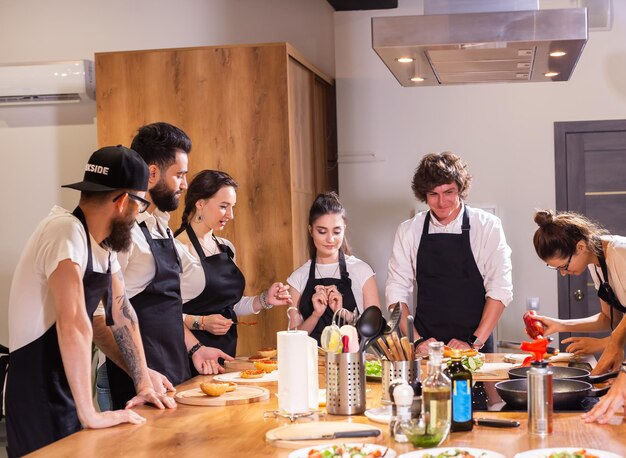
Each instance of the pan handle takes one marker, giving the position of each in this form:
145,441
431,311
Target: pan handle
597,392
602,377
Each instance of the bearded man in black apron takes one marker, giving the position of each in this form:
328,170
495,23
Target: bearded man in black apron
152,273
456,255
64,271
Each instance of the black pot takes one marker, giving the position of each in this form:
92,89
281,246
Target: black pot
565,393
562,372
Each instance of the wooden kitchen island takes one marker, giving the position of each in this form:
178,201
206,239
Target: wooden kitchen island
239,431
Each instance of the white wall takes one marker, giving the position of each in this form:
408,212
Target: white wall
45,148
503,131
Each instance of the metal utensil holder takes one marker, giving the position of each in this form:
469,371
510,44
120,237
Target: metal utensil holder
345,383
407,370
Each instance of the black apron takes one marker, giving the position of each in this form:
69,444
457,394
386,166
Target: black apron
450,288
605,292
39,404
160,316
223,288
344,286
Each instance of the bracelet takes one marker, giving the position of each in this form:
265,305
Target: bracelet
417,342
263,299
194,349
202,323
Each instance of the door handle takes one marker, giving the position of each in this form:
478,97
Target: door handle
579,295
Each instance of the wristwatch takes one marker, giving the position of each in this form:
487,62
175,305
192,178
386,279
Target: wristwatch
474,342
196,324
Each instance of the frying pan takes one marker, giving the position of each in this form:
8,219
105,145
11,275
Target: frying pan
565,393
562,372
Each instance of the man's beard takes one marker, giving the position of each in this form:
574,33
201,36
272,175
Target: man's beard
163,197
120,238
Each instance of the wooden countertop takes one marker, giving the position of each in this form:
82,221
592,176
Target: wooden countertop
239,430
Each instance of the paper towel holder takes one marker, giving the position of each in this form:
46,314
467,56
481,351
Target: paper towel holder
313,414
289,319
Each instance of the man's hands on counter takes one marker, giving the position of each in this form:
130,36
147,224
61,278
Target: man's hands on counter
611,359
100,420
205,360
458,344
160,382
150,396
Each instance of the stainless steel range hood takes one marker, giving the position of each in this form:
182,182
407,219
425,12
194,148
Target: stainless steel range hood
511,46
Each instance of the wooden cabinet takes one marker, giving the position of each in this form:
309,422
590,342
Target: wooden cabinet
263,114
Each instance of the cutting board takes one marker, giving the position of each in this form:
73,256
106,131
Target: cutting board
280,437
267,379
492,372
241,395
518,358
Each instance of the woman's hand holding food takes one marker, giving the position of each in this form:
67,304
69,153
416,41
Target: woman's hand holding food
335,299
216,324
550,325
585,345
278,294
320,300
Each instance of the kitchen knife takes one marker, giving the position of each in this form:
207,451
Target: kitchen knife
496,423
337,435
516,345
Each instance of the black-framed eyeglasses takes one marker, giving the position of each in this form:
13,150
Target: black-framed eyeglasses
564,267
142,203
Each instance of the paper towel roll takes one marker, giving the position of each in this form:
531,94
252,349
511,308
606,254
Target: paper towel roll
293,368
313,379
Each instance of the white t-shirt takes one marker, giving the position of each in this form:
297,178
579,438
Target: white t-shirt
192,281
615,265
358,270
58,237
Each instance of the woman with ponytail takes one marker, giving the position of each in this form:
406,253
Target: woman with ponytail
571,243
211,283
332,278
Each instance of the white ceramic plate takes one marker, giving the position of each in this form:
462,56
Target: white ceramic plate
379,414
304,452
477,452
545,452
234,377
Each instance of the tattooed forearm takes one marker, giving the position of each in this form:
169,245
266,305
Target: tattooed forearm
125,306
129,352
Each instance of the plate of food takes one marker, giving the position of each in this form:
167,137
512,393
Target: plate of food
341,450
452,452
567,452
255,376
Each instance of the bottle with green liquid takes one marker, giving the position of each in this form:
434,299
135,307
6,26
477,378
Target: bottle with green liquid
436,398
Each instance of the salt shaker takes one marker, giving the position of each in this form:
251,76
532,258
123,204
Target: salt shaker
540,404
403,399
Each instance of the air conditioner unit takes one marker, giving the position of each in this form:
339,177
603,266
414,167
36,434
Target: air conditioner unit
45,83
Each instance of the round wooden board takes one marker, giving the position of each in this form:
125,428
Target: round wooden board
280,437
241,395
267,379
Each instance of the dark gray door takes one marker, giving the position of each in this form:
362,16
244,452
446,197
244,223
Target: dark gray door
590,167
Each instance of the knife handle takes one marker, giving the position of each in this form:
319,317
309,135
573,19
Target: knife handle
496,423
362,433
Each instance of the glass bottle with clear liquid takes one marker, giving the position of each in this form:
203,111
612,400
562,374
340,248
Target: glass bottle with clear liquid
436,396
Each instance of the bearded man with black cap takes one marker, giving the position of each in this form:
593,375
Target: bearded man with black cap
152,272
68,266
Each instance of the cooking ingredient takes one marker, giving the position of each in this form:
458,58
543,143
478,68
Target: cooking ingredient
403,399
534,327
214,389
266,366
461,394
448,453
582,453
447,352
374,368
472,363
268,352
251,373
341,451
436,394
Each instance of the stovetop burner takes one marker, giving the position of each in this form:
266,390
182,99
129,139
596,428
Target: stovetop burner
485,398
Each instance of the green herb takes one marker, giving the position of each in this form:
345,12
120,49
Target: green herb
473,363
373,368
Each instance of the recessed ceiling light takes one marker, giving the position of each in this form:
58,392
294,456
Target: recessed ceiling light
551,74
405,60
417,79
558,53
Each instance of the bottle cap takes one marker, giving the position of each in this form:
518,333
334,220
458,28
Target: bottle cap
456,354
403,395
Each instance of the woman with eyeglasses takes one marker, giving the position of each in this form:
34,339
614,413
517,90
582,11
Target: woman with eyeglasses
212,285
571,243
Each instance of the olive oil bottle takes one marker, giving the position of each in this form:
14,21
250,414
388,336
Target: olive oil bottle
436,394
461,394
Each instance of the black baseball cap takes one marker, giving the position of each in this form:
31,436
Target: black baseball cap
111,168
